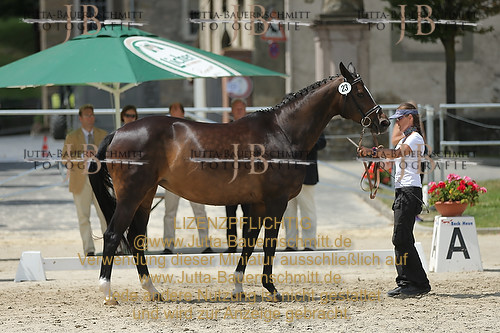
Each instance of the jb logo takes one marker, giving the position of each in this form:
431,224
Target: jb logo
85,20
249,26
419,21
252,160
256,159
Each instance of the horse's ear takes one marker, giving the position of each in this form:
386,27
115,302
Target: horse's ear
352,69
345,73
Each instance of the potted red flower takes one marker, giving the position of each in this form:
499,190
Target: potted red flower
385,174
455,193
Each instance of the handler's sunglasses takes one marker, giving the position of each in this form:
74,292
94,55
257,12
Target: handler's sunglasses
399,118
128,115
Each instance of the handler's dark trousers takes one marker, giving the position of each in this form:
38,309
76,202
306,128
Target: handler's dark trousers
407,204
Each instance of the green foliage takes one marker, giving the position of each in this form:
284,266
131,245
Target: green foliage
17,8
20,94
487,211
17,40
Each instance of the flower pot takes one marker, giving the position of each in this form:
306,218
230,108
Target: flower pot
451,208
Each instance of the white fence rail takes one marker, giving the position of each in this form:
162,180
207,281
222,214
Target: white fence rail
100,111
198,114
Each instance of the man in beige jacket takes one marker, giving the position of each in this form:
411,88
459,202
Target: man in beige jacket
82,143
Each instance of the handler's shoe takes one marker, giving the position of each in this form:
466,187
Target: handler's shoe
394,292
413,291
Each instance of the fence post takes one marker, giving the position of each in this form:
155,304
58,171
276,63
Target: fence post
429,118
442,110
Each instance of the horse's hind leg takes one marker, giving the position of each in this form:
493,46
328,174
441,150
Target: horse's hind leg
138,229
119,223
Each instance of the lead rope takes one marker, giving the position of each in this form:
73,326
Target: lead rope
373,186
376,168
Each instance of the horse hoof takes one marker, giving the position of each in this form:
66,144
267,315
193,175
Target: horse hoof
276,297
112,301
157,297
238,296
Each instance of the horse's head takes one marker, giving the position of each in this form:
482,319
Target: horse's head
359,104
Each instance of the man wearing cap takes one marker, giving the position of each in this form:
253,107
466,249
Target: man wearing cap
411,280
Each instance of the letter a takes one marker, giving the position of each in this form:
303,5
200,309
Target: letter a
461,248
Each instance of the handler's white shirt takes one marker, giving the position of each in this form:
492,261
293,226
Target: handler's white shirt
407,167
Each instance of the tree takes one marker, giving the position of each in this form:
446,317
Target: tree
470,11
18,8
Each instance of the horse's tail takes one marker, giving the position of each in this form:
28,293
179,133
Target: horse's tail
101,182
102,185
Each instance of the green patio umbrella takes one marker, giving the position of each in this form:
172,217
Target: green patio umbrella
116,55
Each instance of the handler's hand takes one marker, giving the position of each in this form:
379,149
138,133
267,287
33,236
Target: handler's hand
364,151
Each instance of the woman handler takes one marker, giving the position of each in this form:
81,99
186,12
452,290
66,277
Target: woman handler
411,280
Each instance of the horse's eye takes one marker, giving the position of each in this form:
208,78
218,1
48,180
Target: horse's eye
360,94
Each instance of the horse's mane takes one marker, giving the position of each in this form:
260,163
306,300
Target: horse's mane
293,97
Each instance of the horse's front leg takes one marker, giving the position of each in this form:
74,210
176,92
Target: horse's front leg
119,223
250,233
272,226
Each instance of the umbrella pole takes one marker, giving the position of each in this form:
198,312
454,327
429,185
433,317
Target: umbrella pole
116,98
115,91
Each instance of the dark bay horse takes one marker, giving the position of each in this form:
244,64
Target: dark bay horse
252,160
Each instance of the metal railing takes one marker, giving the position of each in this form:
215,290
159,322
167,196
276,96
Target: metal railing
446,143
442,114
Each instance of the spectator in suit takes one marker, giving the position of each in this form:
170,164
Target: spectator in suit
83,143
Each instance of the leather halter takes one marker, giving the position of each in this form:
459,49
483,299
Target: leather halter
365,120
